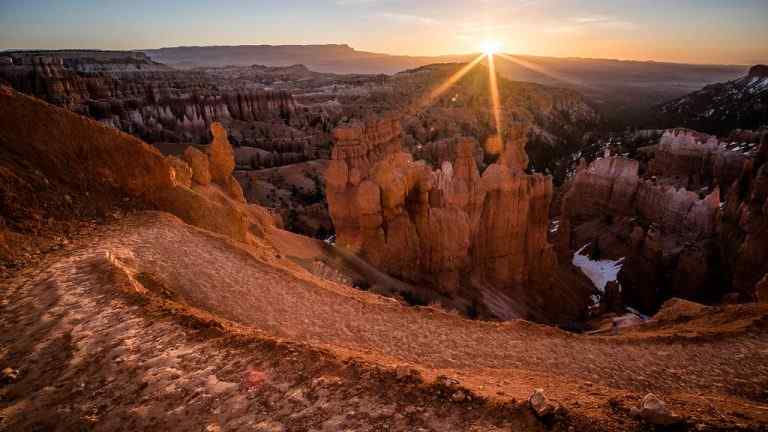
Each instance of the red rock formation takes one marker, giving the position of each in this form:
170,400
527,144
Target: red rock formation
449,228
220,155
510,246
676,242
606,186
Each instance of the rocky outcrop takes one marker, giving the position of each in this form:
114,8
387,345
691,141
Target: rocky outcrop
357,148
696,160
182,171
510,246
654,411
81,152
612,186
437,152
664,233
222,159
675,241
449,228
607,185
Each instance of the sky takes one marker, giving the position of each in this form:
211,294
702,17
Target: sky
690,31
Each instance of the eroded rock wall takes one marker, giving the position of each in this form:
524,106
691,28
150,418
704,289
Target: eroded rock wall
744,228
695,160
156,104
676,241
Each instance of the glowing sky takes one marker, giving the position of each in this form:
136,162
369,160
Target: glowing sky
698,31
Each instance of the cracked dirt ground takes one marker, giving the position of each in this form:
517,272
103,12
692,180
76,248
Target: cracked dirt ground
151,324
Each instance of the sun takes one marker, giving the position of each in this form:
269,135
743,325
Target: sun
490,47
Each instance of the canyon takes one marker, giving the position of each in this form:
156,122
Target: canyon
214,317
244,246
284,116
362,159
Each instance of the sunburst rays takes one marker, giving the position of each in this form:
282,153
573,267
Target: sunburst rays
495,144
438,91
542,70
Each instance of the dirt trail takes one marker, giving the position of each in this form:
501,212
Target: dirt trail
66,323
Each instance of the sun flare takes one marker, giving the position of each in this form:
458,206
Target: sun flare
490,47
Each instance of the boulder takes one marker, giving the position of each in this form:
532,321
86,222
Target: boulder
654,411
540,405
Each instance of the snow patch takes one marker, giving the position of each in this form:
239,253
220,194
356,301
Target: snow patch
600,272
554,226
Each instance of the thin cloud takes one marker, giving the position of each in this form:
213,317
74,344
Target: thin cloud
590,19
354,2
601,21
408,19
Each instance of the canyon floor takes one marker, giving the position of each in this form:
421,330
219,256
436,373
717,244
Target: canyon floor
148,323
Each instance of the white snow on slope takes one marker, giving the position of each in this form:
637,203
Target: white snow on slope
600,272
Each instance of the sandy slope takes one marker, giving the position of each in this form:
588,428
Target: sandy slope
82,344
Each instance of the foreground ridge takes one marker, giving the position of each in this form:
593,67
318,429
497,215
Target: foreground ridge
89,317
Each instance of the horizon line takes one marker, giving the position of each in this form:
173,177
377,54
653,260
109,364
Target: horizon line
661,61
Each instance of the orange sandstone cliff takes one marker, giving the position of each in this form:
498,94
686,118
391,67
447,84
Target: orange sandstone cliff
482,238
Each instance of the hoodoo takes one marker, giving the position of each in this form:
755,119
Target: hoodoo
482,238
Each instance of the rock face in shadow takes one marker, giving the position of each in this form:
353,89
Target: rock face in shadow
678,239
744,228
450,228
722,107
664,233
79,151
